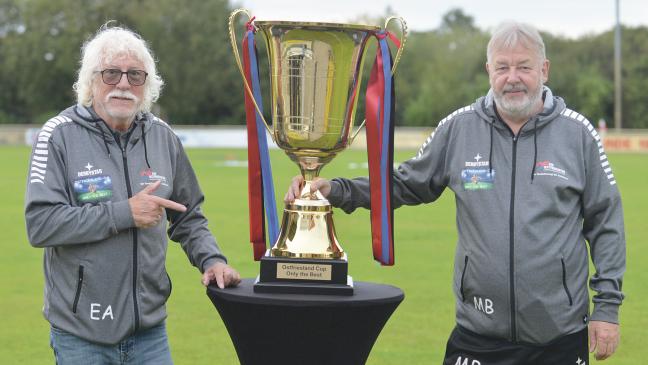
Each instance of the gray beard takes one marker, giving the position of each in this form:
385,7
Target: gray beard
519,110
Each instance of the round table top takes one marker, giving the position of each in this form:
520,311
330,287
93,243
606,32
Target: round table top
364,293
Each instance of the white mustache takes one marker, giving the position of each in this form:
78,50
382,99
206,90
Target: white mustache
121,94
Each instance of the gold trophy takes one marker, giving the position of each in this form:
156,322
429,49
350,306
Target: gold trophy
315,71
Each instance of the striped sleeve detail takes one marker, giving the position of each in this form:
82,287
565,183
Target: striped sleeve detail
605,164
441,123
38,166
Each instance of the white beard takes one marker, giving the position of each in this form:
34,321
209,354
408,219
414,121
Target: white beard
521,108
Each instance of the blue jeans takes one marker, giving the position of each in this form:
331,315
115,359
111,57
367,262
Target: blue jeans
148,346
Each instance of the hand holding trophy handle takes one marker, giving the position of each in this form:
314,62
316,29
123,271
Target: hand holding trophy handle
232,35
400,46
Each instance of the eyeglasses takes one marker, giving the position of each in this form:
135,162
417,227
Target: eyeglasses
113,76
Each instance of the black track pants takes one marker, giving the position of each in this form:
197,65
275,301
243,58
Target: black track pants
468,348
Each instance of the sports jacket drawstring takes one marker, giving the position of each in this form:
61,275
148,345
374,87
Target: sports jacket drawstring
535,148
490,151
105,141
145,150
103,135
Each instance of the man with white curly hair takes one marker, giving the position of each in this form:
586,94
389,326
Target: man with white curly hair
107,178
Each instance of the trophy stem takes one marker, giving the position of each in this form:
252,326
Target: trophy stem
309,176
309,166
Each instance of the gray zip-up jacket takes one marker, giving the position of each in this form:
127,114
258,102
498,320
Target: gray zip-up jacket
104,278
526,206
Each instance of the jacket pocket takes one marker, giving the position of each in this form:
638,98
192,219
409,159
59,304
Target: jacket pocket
564,280
77,295
463,275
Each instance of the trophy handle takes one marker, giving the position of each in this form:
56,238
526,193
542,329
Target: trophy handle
404,33
396,60
232,36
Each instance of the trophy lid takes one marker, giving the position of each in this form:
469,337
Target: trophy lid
322,25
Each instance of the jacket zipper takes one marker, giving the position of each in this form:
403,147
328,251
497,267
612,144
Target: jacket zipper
511,244
133,230
78,290
463,274
564,277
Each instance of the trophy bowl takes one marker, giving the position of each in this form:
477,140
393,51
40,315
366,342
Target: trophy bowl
315,71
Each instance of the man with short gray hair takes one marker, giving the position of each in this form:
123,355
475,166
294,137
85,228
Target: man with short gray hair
107,179
533,186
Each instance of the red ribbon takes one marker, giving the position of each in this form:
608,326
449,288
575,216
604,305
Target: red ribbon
380,155
255,181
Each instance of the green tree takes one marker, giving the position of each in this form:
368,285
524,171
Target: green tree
441,70
456,20
582,71
635,77
40,45
445,71
203,85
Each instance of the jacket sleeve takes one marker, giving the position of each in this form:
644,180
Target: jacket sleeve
603,228
190,228
418,180
51,216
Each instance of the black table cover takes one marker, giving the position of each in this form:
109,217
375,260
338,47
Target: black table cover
304,329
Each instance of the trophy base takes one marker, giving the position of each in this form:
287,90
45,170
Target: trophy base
304,288
303,276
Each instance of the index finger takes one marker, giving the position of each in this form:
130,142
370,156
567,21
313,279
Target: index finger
592,340
317,184
296,185
220,277
294,189
169,204
150,188
603,351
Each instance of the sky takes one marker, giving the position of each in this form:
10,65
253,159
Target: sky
569,18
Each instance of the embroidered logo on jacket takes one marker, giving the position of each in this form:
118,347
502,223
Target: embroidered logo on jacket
92,185
148,176
477,162
477,175
547,168
89,171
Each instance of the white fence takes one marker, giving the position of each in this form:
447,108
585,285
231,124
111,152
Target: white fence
222,136
236,137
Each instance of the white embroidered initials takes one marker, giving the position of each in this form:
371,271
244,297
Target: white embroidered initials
465,362
95,309
485,305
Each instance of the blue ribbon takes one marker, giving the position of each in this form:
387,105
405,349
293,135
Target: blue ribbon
384,155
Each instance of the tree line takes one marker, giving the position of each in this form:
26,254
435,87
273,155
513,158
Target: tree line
441,70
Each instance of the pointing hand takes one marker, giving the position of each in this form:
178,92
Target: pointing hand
148,209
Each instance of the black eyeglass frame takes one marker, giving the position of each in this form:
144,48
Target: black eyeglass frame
121,74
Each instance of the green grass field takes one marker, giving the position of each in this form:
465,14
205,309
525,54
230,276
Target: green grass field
425,239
